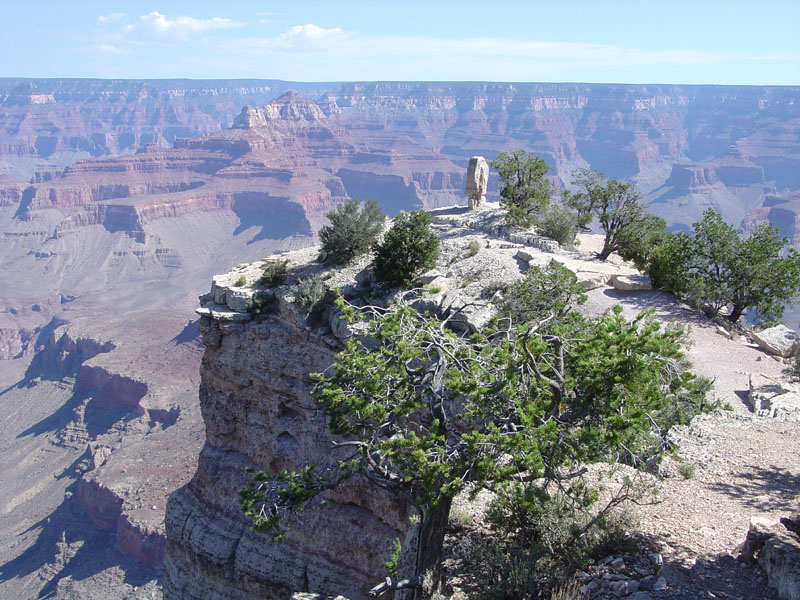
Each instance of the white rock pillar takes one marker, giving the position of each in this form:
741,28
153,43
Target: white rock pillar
477,176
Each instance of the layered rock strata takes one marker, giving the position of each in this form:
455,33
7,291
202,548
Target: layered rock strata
254,396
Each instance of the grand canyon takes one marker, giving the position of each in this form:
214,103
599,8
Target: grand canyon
120,200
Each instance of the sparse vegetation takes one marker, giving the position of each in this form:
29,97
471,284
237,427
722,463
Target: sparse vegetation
628,229
274,273
241,281
408,249
559,223
553,290
686,470
353,229
473,248
308,292
261,304
531,398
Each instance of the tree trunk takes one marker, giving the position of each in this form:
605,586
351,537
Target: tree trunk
736,312
422,552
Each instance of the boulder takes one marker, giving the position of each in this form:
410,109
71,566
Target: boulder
777,552
524,255
591,280
778,340
238,299
771,397
632,283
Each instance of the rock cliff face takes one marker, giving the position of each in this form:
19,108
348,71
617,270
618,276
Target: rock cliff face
398,141
58,121
255,385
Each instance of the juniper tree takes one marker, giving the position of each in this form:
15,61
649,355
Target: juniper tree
717,269
423,412
524,191
351,231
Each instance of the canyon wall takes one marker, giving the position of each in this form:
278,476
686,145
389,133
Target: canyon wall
254,396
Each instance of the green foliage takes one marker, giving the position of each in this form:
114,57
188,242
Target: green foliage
351,232
308,292
616,205
717,269
274,273
408,249
537,543
524,191
426,411
473,248
394,557
686,470
559,223
552,290
261,304
241,281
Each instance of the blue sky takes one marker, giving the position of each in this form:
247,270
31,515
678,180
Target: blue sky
722,42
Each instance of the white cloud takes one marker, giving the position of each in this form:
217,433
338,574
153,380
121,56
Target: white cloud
157,26
308,38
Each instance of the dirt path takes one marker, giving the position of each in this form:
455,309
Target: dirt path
739,465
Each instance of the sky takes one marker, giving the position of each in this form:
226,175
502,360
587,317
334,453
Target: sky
596,41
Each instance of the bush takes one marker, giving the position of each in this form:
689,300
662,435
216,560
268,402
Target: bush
241,281
537,541
554,289
474,248
409,248
559,223
308,292
351,232
274,273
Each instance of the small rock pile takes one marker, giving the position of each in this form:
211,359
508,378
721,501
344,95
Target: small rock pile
623,575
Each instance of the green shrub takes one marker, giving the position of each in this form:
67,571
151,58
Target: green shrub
409,248
351,232
241,281
274,273
541,292
261,304
474,248
537,541
686,470
559,223
308,292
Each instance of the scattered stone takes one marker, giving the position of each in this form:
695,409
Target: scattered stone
656,558
771,397
660,584
640,596
590,587
524,255
618,563
778,340
778,552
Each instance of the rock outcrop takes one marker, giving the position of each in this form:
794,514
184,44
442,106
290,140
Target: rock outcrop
776,549
254,395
